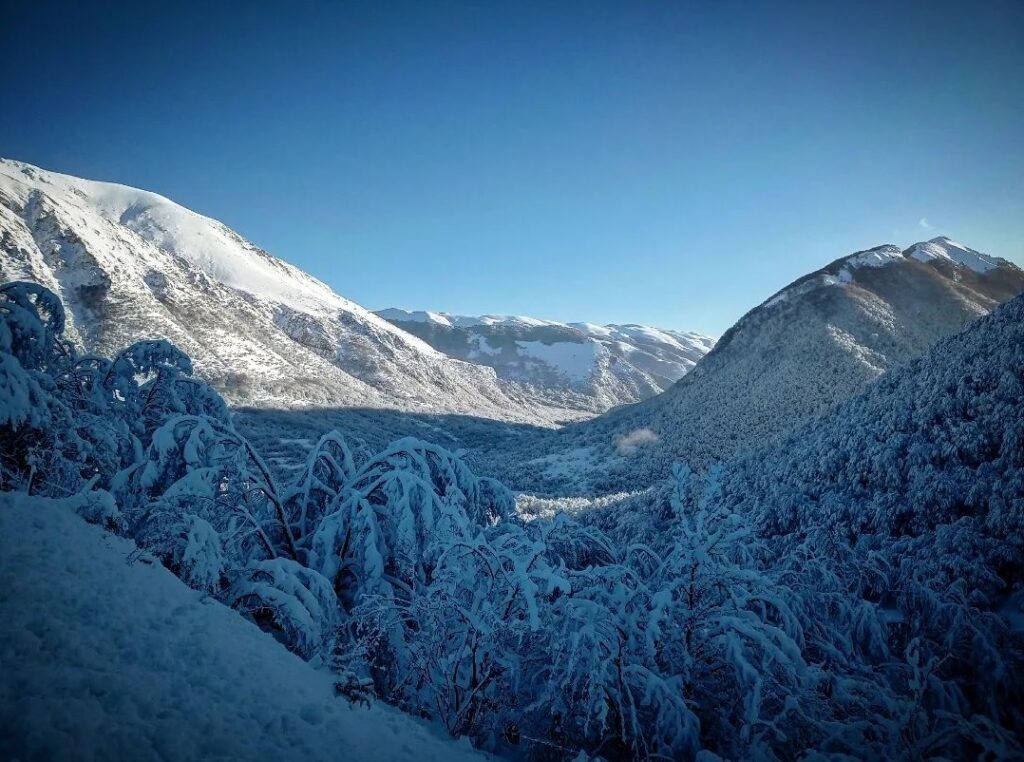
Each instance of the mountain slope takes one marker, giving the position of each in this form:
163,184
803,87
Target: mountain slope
813,344
106,657
896,516
936,440
131,264
580,365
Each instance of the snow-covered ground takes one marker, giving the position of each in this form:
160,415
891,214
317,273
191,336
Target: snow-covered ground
106,657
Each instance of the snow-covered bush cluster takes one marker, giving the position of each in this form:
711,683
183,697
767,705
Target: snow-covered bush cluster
742,612
893,525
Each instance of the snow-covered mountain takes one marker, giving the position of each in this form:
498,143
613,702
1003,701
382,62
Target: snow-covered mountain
816,342
130,264
949,423
578,365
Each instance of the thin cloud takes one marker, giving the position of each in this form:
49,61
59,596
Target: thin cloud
923,223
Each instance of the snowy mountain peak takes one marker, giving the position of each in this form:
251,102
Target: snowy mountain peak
206,244
414,316
880,256
814,343
857,268
945,249
397,314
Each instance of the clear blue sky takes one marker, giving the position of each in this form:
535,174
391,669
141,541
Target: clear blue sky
667,163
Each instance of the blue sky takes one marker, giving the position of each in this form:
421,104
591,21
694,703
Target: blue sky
666,163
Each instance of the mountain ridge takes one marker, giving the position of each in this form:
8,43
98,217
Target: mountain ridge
595,367
131,264
812,344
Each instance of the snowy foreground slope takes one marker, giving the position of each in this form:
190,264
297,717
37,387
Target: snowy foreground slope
815,343
133,265
592,367
107,657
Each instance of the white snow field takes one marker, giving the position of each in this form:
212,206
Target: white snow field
103,657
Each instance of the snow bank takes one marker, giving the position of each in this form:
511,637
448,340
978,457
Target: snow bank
103,658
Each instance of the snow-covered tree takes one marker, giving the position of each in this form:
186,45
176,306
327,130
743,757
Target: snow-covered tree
198,466
291,601
314,492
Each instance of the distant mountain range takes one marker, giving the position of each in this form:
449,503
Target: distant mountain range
576,365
